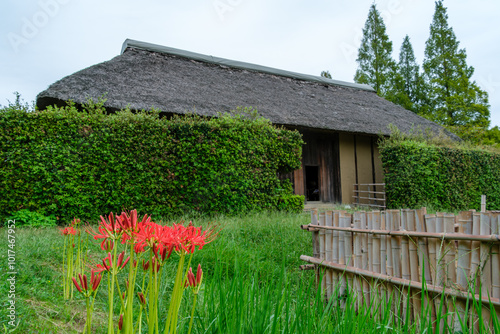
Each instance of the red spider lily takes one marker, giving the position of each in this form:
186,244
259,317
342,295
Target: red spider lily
147,235
95,280
190,237
75,222
107,263
120,322
107,230
70,230
192,280
145,265
142,299
129,225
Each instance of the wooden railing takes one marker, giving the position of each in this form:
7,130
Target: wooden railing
370,195
400,253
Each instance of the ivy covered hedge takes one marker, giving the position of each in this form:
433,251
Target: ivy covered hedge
71,163
454,177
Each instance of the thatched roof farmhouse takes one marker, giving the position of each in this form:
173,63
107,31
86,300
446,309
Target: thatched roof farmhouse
340,121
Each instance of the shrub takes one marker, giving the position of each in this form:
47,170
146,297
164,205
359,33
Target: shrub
451,176
72,163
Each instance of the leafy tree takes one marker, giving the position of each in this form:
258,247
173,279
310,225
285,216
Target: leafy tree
407,85
326,74
455,99
374,55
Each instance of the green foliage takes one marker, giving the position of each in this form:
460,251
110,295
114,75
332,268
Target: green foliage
72,163
455,99
326,74
33,219
479,136
374,55
420,172
407,85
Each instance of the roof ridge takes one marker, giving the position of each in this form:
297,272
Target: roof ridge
130,43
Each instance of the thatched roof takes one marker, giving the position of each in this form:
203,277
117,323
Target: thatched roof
149,76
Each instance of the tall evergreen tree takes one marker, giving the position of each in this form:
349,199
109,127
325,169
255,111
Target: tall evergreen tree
456,100
407,85
374,54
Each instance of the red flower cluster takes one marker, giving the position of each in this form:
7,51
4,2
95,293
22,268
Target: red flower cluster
68,230
146,234
95,280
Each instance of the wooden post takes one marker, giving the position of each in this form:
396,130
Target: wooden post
464,222
483,203
357,262
315,240
364,258
414,273
475,266
374,223
329,253
348,252
345,221
485,265
335,246
405,260
322,251
424,260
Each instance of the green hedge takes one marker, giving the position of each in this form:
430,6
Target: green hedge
71,163
445,178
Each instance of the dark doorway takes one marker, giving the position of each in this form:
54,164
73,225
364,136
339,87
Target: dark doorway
312,183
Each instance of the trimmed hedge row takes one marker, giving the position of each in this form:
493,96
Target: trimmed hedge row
418,174
71,163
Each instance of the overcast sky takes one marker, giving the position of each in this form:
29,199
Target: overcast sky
42,41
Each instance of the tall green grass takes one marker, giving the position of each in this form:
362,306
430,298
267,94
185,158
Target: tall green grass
252,284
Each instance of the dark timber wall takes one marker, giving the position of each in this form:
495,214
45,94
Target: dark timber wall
340,160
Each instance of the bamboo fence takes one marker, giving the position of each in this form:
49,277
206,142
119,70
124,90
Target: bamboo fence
441,263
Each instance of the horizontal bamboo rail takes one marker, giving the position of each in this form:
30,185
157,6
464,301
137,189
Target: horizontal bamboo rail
399,281
444,236
370,197
407,252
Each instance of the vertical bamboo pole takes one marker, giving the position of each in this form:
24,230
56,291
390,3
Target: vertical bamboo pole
475,267
485,229
364,258
335,247
348,253
329,252
414,273
405,263
389,257
376,255
424,262
495,257
315,240
384,261
322,251
440,267
396,256
357,217
483,203
432,244
449,265
344,221
495,260
464,222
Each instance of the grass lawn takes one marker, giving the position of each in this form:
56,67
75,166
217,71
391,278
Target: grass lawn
252,284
